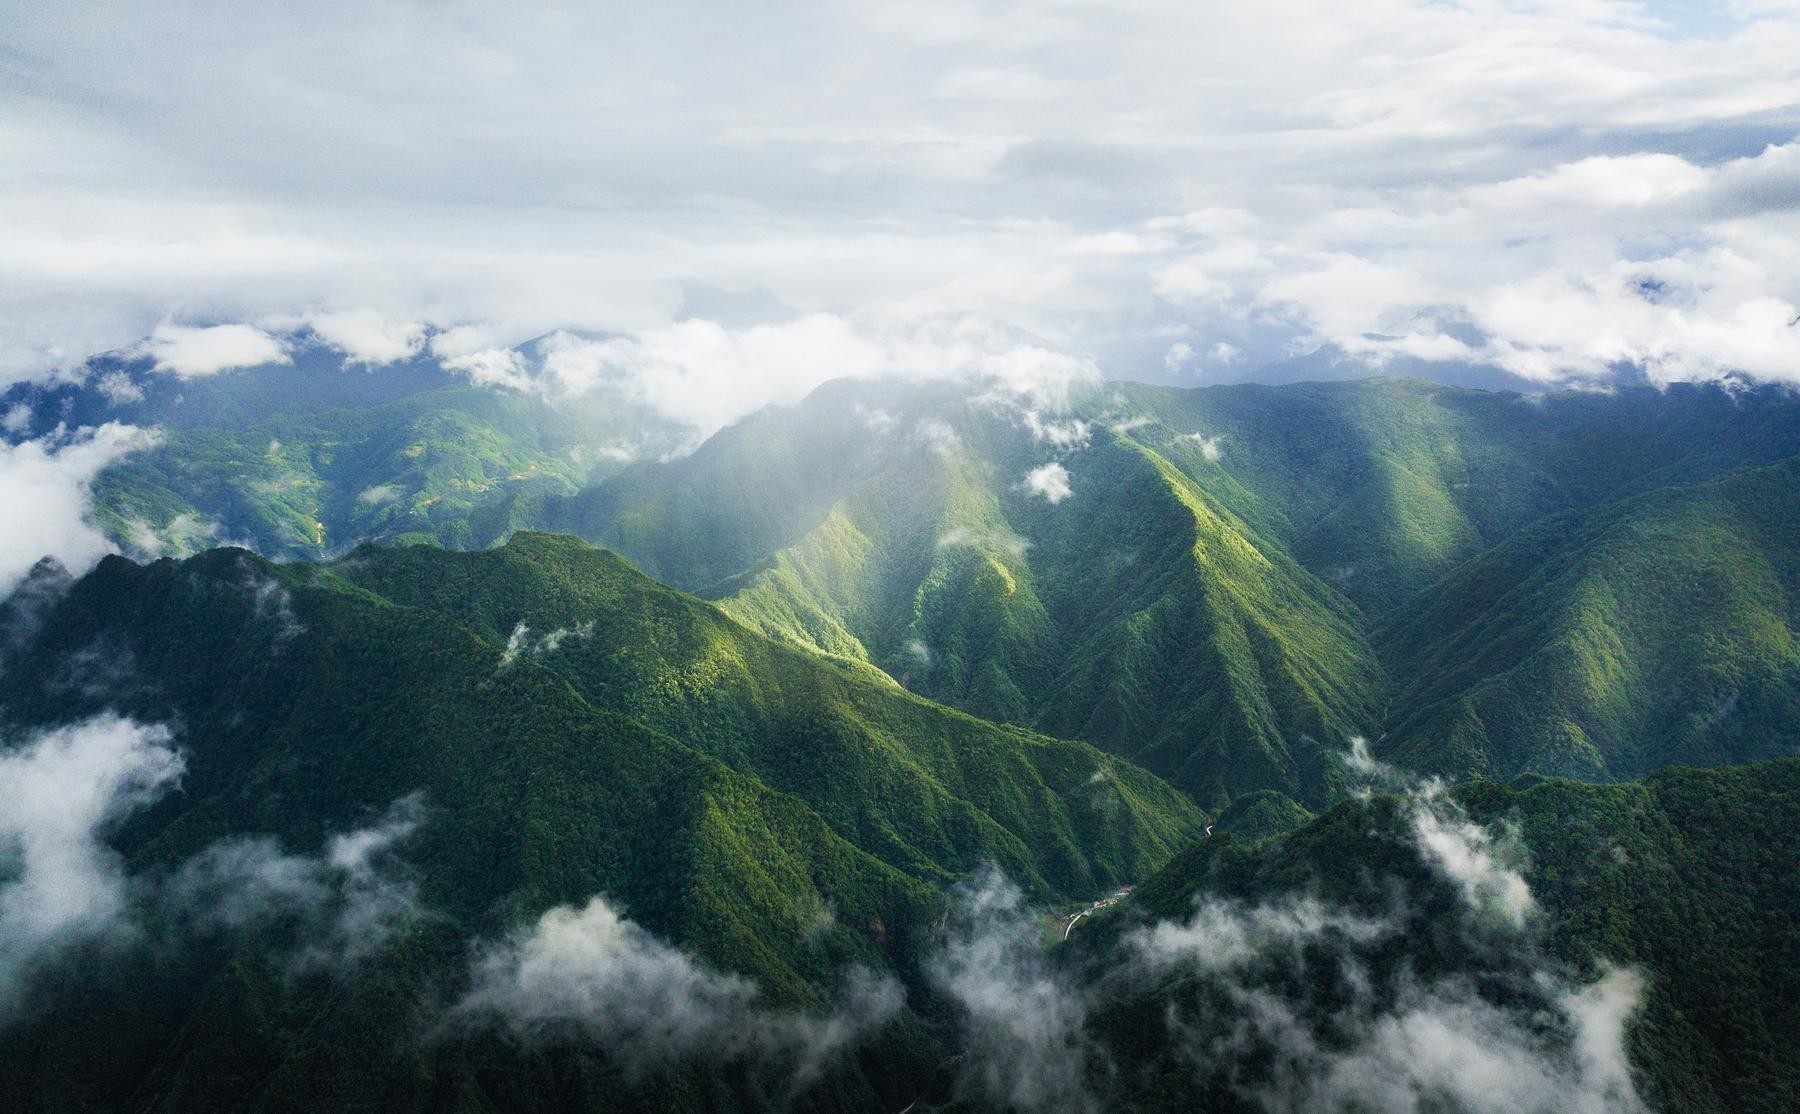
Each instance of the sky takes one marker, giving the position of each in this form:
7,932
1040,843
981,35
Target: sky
759,195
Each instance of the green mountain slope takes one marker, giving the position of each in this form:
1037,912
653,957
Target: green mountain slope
1174,606
305,705
1686,878
1138,613
1605,643
449,465
1381,486
926,789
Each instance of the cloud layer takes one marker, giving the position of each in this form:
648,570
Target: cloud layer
731,204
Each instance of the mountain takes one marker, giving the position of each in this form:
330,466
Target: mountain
781,819
1221,584
1137,612
1607,642
310,458
1664,905
1230,581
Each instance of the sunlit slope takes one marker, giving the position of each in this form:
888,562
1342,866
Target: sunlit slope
1605,643
1382,486
1139,613
926,789
1188,643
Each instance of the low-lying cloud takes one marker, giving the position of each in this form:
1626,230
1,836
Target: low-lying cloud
590,973
1297,1003
1049,482
340,906
192,351
61,789
44,486
1024,1040
522,643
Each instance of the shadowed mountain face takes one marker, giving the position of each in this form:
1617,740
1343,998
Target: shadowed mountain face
1604,947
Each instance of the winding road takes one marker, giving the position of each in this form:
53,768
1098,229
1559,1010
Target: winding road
1069,922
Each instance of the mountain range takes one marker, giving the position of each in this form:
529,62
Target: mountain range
1228,747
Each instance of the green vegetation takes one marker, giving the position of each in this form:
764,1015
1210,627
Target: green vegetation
1688,877
451,465
1606,643
873,658
774,814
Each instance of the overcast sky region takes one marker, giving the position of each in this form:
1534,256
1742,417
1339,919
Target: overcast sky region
1567,191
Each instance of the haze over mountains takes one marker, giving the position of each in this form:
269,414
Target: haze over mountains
791,736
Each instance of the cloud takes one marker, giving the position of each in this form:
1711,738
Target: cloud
1023,1025
189,352
182,536
44,485
367,337
1484,868
1443,1047
1064,436
938,436
1051,481
996,539
520,643
378,495
1222,935
61,789
591,972
1294,1002
118,388
341,905
702,375
1105,177
1209,446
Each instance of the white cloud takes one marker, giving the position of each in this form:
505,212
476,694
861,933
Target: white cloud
521,643
1471,857
60,790
1024,1040
342,905
1210,447
44,486
995,539
118,388
378,494
592,971
937,435
368,337
1222,935
1050,481
207,350
1439,151
1063,436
